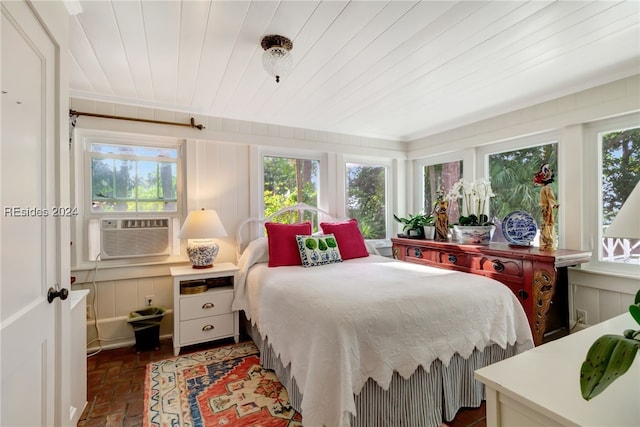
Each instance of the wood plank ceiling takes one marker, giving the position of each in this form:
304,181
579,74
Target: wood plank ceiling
390,69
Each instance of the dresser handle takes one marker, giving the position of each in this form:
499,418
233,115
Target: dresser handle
207,305
523,294
498,266
207,328
417,252
453,259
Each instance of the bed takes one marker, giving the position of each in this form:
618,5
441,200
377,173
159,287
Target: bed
367,340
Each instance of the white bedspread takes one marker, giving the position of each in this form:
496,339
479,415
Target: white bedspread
340,324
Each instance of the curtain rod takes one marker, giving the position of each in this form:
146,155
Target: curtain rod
192,124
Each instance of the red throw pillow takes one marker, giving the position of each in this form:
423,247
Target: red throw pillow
348,236
283,246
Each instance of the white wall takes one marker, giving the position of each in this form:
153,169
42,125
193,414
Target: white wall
602,294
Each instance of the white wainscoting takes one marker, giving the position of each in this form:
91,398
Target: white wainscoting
601,295
113,302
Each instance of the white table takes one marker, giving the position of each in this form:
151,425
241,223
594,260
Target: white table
541,387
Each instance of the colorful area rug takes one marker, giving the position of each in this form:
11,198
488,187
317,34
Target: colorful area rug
225,386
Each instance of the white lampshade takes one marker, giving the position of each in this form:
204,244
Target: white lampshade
201,226
626,224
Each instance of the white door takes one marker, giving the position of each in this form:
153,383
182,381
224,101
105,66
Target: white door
27,228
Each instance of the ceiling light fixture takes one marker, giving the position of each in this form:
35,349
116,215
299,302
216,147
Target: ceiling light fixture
277,59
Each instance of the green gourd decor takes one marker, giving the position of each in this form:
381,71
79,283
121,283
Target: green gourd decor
609,357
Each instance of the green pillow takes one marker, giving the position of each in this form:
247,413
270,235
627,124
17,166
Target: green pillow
318,250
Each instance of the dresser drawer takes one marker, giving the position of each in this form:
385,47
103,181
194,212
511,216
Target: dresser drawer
453,258
412,253
512,267
210,303
205,329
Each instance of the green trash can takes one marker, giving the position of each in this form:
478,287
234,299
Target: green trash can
146,326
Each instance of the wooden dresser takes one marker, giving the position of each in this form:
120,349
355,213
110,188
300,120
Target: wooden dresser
537,278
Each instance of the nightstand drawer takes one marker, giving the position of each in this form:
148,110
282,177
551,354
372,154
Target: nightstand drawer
205,329
210,303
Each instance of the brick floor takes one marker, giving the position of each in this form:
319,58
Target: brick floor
115,387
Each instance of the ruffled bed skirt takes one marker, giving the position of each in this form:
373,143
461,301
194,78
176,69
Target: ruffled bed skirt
422,400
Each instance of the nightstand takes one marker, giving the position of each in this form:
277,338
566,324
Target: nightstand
202,304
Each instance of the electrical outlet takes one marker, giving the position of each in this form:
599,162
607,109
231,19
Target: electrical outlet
581,316
148,300
88,312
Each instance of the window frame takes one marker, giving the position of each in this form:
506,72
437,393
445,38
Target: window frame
80,174
117,139
342,191
544,138
420,164
332,177
593,217
257,191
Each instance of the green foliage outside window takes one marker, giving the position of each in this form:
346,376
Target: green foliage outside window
366,198
289,181
620,170
511,174
133,179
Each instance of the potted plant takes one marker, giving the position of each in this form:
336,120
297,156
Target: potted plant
414,225
474,226
429,227
609,357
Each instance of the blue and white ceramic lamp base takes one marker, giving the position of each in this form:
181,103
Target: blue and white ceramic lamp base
202,253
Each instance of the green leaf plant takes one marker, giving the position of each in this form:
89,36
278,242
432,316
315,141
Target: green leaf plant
610,357
415,222
474,220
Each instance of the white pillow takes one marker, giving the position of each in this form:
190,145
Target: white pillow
257,251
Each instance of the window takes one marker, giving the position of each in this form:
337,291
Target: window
441,177
288,181
133,178
511,174
620,174
366,198
127,177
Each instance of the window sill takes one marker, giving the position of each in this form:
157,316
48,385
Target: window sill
625,271
116,270
589,276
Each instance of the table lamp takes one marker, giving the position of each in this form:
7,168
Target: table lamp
626,223
201,227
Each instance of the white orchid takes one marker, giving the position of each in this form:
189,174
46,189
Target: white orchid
475,196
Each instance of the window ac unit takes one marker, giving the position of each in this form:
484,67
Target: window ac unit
139,237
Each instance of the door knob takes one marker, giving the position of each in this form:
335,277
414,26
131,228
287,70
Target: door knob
53,294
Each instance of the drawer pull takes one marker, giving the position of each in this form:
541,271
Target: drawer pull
453,259
417,252
523,294
207,328
498,266
207,305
